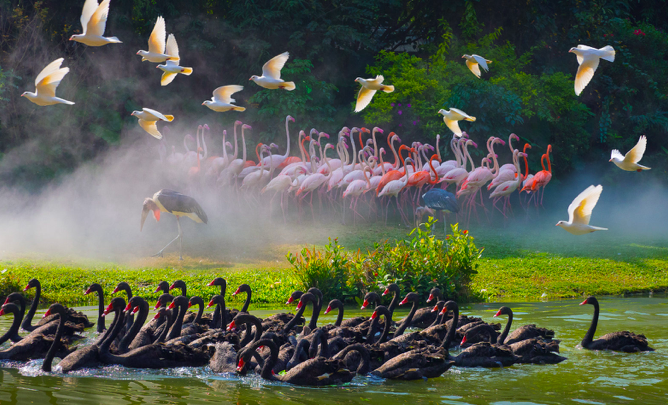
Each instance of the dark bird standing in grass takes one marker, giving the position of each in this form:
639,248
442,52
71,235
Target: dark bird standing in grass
440,200
176,204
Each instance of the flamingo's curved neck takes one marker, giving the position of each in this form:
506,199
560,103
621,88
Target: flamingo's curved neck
243,143
287,134
236,148
547,155
394,151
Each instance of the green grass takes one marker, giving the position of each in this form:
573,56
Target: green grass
520,263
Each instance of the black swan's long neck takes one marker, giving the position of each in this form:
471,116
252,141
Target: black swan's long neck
256,336
100,311
178,323
200,311
364,365
313,323
16,323
294,320
339,317
248,300
506,329
115,331
169,320
386,328
266,372
218,311
451,332
406,323
136,327
319,340
33,308
48,359
184,290
394,303
589,336
223,314
439,318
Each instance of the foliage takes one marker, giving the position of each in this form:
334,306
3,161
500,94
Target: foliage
417,264
66,282
422,262
327,269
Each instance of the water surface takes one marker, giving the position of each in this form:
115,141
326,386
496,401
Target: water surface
585,378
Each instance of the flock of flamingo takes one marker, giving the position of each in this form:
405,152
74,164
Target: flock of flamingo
358,171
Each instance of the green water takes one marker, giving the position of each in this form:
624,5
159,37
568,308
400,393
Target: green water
585,378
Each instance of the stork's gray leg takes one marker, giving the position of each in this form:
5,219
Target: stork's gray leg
178,223
180,235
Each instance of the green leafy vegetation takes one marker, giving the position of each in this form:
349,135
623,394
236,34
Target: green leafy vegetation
416,264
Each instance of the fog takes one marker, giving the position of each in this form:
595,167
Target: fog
95,210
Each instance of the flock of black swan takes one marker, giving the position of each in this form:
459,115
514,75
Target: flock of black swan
283,347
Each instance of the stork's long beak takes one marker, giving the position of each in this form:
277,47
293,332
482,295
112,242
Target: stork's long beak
144,214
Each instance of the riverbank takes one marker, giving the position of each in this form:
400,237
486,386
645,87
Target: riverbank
521,264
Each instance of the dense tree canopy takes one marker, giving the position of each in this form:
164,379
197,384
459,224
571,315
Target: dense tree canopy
417,45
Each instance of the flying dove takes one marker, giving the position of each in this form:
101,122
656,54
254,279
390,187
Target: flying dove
369,88
156,44
93,23
171,67
46,83
474,62
222,99
451,118
580,210
271,74
148,119
588,58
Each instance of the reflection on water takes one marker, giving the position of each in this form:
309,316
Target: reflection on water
585,378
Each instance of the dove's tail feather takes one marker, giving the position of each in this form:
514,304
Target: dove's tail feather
472,119
63,101
608,53
170,118
388,89
488,61
644,168
187,71
596,228
288,86
240,109
114,40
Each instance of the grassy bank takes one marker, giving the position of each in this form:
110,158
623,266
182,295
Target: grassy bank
518,263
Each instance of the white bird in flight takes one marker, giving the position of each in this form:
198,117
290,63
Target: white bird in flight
369,88
474,62
171,67
156,44
93,22
629,162
222,99
271,74
148,119
580,210
46,83
451,118
588,58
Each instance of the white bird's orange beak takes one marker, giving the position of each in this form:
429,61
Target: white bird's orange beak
610,160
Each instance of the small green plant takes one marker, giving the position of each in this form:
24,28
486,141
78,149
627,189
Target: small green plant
326,269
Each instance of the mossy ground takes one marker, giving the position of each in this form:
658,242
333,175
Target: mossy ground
520,263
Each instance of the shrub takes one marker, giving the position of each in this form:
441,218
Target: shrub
423,262
326,269
417,264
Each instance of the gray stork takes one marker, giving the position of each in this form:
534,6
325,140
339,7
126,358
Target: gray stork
440,200
176,204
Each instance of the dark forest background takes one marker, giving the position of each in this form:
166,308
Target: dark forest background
417,45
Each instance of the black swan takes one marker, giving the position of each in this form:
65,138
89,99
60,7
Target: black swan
482,354
217,313
313,372
36,344
224,359
16,297
421,363
9,308
55,345
156,355
301,307
96,288
244,288
162,286
347,323
88,356
73,317
523,332
180,284
123,286
618,341
362,366
134,338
